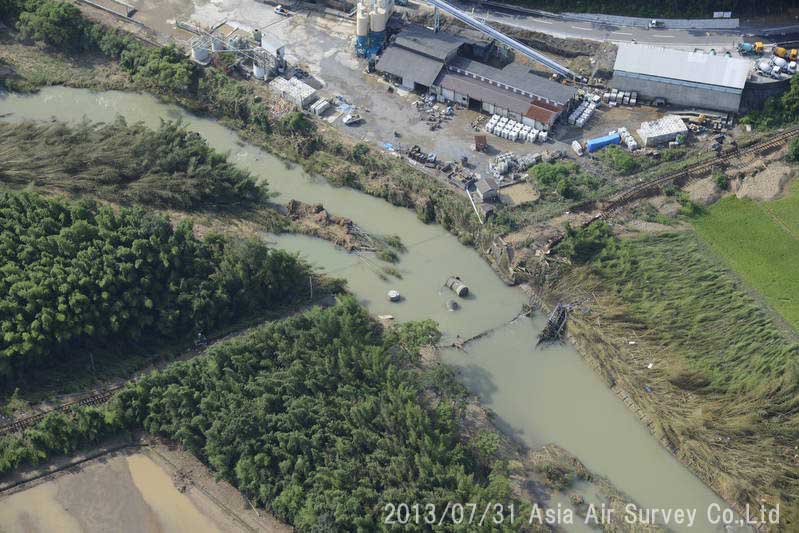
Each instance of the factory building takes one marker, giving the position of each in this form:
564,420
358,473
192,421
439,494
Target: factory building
513,92
694,79
418,55
423,60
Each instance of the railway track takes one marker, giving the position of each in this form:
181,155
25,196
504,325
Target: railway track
93,400
693,172
735,156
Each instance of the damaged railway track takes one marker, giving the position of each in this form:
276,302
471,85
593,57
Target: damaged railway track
95,399
696,171
680,178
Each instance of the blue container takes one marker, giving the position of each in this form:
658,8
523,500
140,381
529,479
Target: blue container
600,142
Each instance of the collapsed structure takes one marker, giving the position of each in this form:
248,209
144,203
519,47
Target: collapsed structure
693,79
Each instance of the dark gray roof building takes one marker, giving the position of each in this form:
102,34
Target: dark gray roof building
487,189
516,78
482,91
441,45
422,58
410,67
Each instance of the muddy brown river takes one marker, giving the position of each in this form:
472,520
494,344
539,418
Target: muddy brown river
539,395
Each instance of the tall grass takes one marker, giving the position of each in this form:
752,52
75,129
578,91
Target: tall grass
716,378
726,341
165,167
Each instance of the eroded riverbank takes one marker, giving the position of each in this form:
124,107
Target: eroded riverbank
539,396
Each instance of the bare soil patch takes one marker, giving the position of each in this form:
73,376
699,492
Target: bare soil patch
519,194
768,184
704,191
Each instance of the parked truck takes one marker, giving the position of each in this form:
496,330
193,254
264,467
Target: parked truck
784,53
750,48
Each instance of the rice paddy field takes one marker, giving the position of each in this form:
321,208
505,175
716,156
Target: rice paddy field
759,241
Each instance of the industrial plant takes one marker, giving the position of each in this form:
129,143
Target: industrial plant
508,92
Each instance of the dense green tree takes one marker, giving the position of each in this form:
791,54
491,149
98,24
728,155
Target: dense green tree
566,179
58,24
321,418
620,160
296,122
793,150
583,244
778,110
78,276
165,69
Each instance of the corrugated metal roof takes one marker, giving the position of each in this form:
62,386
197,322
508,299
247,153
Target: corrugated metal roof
541,114
437,45
520,77
482,91
293,87
696,67
406,64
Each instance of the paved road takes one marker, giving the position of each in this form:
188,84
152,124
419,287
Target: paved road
690,39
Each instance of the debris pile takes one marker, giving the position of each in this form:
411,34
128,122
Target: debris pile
315,220
510,165
432,113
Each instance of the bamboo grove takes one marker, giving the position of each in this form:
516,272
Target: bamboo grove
321,418
78,276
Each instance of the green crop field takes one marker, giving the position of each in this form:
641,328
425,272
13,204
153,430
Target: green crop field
760,241
787,209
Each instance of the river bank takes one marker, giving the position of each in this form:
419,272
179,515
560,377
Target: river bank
449,321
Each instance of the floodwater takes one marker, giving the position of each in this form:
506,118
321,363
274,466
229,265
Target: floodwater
124,493
540,396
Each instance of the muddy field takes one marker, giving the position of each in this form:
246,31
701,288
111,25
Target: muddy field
149,489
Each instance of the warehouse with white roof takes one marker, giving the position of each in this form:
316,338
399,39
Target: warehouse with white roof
691,79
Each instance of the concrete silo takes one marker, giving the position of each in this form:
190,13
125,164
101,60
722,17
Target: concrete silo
362,27
378,17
